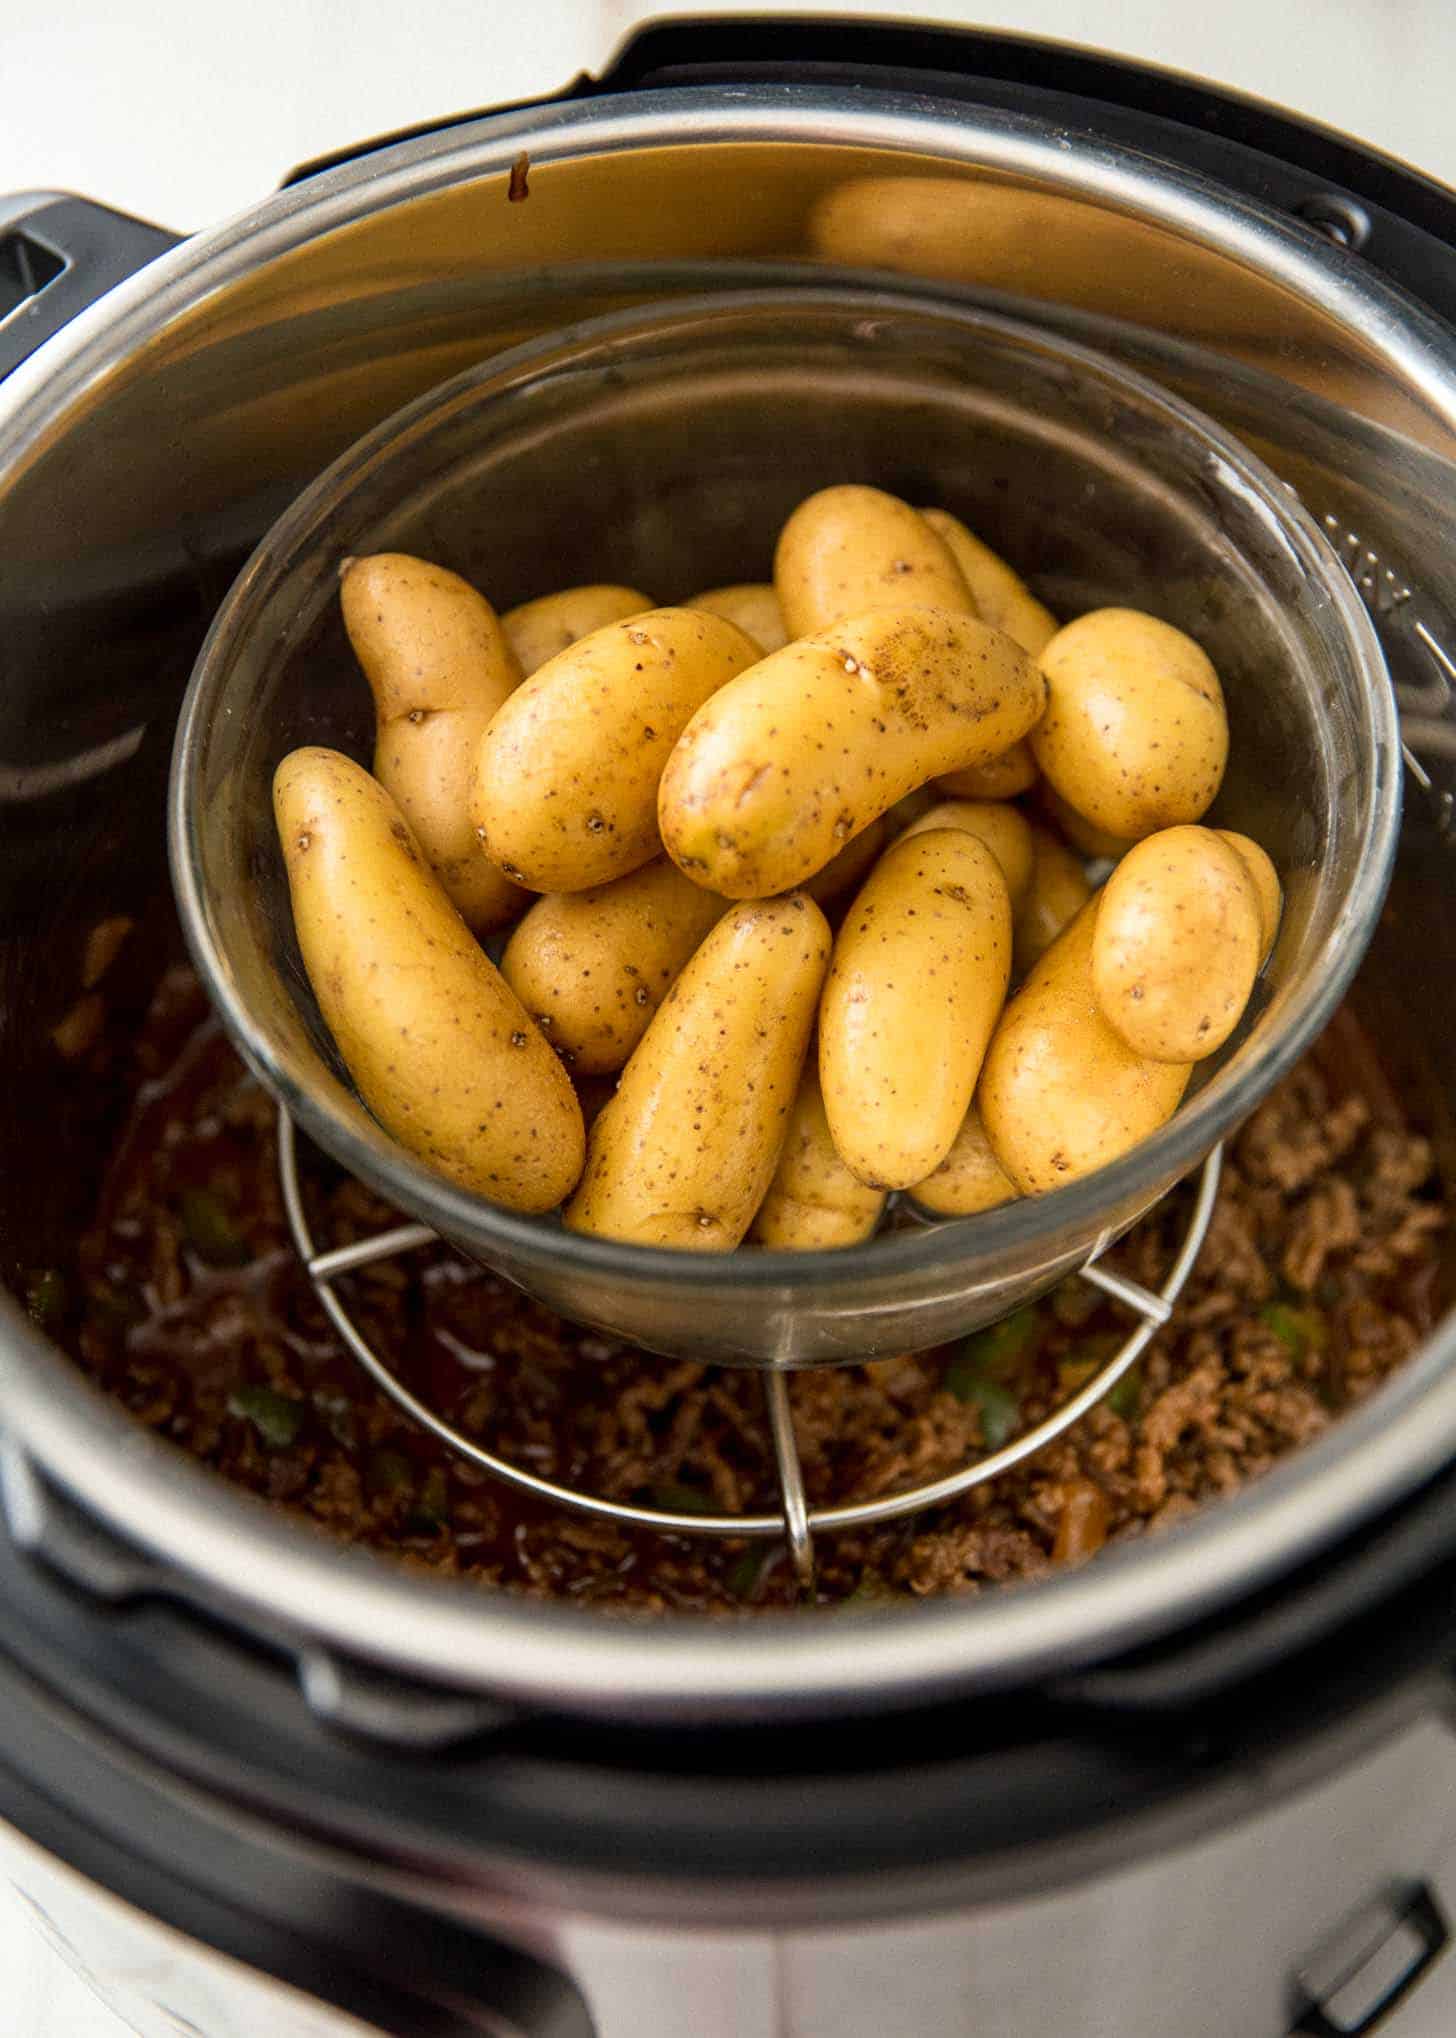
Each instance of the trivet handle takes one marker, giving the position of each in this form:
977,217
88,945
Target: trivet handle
58,254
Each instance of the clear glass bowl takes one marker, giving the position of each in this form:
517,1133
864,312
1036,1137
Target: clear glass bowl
664,448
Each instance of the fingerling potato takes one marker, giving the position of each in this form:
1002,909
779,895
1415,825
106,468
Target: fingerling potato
970,1178
1177,945
438,665
565,788
441,1050
783,765
1135,736
1002,597
538,629
1001,778
753,606
848,549
1267,888
684,1153
592,967
1056,894
918,976
1061,1093
814,1201
1005,831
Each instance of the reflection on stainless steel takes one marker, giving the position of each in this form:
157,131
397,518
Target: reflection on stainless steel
1085,254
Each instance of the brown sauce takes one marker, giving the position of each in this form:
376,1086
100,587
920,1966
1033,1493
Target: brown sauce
186,1303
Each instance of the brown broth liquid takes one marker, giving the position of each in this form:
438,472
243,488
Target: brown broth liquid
187,1304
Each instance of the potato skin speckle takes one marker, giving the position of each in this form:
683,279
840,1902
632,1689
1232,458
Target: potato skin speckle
564,790
684,1153
814,1201
1001,596
537,630
1056,893
1005,831
753,606
1178,945
920,970
796,756
848,549
593,966
1135,736
969,1179
999,778
1061,1094
436,1041
439,666
1267,888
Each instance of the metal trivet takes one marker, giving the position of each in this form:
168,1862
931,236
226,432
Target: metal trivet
795,1520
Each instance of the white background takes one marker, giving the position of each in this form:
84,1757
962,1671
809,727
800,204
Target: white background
185,110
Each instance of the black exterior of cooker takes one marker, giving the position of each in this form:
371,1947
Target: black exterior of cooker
167,1754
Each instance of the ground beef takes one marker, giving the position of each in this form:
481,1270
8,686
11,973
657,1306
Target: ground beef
1318,1278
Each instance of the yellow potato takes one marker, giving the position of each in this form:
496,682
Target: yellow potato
919,974
1002,597
1061,1094
684,1153
1178,944
753,606
538,629
970,1178
1134,736
1057,893
1005,831
434,1037
1267,888
849,549
851,864
1002,778
592,967
438,666
814,1200
776,773
1083,834
565,787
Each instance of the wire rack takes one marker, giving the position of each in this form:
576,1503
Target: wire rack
794,1520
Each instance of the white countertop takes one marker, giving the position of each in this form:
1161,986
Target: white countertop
183,112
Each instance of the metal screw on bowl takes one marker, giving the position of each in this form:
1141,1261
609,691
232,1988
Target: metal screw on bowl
1340,220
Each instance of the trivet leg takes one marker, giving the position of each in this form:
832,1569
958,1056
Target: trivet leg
791,1478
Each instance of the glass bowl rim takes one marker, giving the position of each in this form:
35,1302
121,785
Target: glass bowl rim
999,1233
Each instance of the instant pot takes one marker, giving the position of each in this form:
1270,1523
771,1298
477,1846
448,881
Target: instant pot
255,1783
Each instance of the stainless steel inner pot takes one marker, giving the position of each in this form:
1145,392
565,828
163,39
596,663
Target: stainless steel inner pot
147,448
665,449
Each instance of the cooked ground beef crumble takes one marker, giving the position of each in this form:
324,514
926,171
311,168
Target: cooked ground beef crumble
1318,1278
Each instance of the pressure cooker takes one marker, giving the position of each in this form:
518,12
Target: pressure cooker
252,1782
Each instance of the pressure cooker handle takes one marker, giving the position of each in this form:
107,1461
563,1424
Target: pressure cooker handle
58,254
